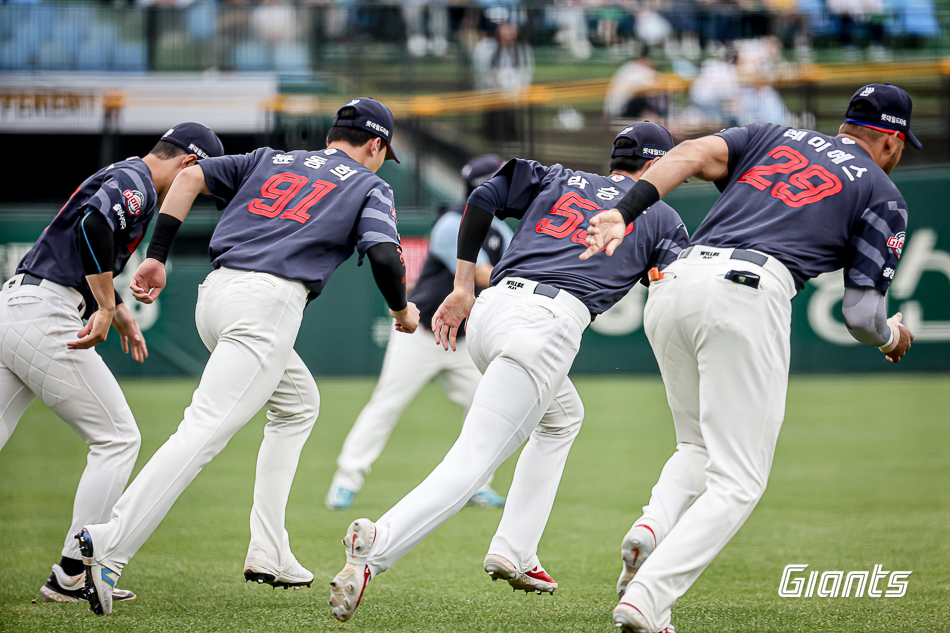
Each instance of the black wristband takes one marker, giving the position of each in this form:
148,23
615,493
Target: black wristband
472,232
165,230
641,197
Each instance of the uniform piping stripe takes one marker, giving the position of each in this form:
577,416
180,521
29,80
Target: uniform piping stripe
379,215
376,193
375,237
868,250
879,223
86,237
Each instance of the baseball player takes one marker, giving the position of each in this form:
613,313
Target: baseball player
794,204
412,361
45,350
524,333
289,219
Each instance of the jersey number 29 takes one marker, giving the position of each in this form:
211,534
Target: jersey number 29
813,181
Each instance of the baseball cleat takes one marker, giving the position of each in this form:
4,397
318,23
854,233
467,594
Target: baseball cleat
62,588
637,545
339,498
347,587
100,580
485,497
628,619
291,578
536,580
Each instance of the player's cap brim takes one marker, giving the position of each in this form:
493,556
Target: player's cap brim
913,140
390,154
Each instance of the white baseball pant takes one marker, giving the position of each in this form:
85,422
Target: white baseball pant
723,352
411,361
36,322
249,321
524,344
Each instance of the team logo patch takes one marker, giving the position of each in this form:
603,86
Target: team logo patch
867,91
617,178
896,243
135,201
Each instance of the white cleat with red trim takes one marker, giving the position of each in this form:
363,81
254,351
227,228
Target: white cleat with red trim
637,545
347,587
628,619
536,580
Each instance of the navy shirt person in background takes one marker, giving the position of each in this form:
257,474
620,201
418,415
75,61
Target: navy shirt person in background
47,352
794,204
524,333
289,220
411,362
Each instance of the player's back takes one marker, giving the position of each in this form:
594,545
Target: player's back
555,205
798,195
297,214
124,193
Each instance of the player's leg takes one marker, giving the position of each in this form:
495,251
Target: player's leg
534,486
459,378
251,341
743,356
411,361
525,347
15,397
291,413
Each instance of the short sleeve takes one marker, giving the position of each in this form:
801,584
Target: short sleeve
443,240
738,140
876,243
525,177
377,221
122,196
225,175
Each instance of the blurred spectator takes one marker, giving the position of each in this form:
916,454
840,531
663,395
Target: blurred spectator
571,22
632,93
414,16
715,91
857,18
504,64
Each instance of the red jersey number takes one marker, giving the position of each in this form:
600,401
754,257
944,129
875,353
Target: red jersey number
565,208
282,189
813,182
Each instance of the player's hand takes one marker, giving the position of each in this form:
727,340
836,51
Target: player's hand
903,343
148,280
449,317
131,336
94,332
607,231
407,319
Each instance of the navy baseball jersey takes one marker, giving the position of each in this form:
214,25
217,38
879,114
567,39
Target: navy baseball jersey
555,206
817,203
437,278
297,215
122,192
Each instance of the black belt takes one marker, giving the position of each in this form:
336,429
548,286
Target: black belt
30,280
738,253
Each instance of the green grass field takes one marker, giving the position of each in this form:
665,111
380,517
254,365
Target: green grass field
861,477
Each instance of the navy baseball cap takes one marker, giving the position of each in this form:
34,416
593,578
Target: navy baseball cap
882,107
481,169
649,141
196,139
372,116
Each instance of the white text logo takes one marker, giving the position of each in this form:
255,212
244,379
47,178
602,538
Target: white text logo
839,584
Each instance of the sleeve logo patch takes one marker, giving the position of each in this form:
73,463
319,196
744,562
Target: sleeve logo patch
135,201
896,243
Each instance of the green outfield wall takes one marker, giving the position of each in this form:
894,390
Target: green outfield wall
345,330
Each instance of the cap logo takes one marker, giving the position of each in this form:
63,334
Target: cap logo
867,91
351,103
379,128
627,129
653,151
888,118
168,132
194,149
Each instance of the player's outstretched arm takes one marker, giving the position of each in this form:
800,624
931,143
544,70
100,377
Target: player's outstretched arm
148,281
456,307
705,158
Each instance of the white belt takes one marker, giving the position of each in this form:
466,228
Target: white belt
714,255
71,295
522,286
